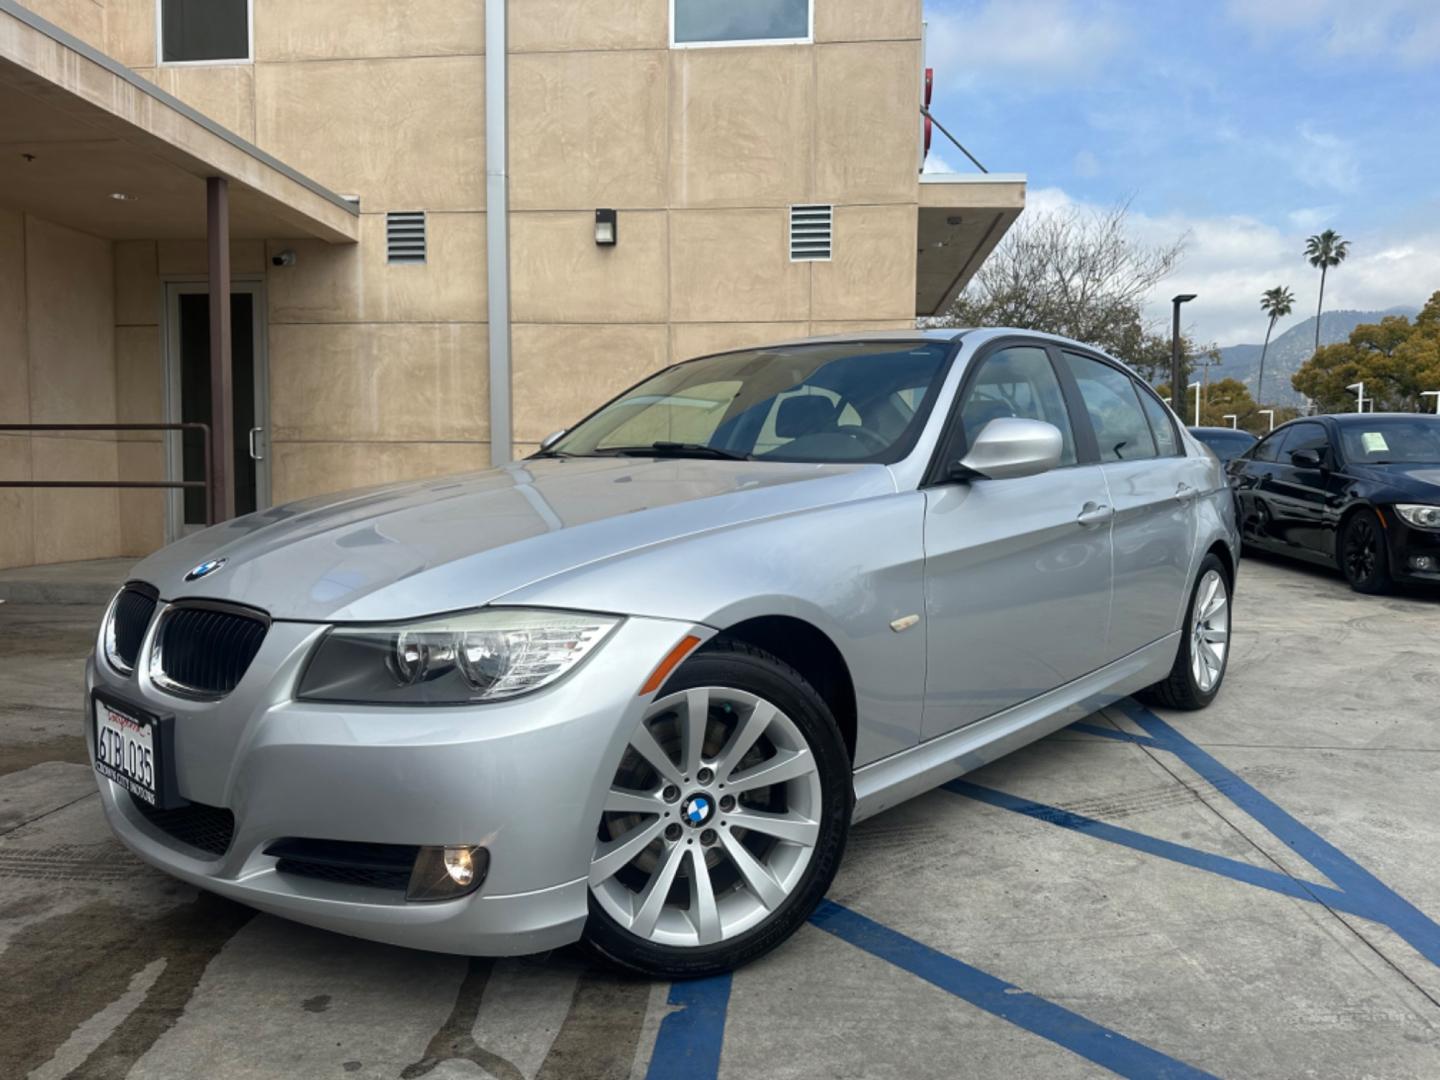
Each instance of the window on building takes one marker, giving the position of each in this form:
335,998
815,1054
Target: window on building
736,22
204,31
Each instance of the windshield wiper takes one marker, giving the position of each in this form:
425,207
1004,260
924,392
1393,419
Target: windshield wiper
677,450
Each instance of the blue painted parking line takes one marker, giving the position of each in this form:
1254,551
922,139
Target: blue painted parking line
690,1039
1353,890
1106,1048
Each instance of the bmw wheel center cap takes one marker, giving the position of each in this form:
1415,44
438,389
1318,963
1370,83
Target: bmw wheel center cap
205,569
697,810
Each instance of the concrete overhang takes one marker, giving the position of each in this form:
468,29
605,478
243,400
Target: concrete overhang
962,218
77,128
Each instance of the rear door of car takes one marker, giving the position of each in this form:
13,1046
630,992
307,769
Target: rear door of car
1153,487
1017,571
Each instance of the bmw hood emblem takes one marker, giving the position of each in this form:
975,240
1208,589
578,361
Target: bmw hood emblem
205,569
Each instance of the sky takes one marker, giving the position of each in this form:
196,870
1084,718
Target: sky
1244,125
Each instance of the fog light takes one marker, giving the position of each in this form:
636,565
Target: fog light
459,865
1422,562
445,873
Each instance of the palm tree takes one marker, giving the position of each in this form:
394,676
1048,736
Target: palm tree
1277,303
1324,251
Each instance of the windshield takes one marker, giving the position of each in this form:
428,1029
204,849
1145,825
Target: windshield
850,401
1399,440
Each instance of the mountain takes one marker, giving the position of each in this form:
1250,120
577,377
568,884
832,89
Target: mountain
1291,349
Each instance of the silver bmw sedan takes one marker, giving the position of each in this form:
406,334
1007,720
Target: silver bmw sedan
635,689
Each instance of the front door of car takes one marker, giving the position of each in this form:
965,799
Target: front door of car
1017,571
1251,475
1153,487
1298,492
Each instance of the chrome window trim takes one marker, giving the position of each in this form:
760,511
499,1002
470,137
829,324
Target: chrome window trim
158,675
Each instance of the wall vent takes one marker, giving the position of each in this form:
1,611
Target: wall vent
405,236
810,233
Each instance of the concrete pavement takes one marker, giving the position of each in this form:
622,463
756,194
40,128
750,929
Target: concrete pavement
1246,891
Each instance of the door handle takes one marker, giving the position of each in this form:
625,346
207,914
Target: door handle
1094,514
255,454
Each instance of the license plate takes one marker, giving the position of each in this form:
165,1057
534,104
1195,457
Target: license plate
128,750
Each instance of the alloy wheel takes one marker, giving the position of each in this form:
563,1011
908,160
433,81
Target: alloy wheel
1209,631
711,820
1360,550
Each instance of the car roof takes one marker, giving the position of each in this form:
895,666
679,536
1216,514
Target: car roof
1360,419
1212,429
976,335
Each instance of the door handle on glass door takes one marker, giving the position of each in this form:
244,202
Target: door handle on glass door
1094,514
255,444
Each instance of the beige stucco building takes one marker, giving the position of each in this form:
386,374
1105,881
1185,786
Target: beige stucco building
353,137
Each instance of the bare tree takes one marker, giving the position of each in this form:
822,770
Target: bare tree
1072,271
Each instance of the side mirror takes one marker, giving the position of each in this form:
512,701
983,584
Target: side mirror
1306,459
551,439
1009,447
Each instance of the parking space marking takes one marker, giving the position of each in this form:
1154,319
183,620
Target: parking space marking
1105,1047
1355,890
690,1039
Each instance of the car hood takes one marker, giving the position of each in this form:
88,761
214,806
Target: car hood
414,549
1420,482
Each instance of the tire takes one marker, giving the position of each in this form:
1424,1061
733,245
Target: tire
1363,556
683,936
1185,688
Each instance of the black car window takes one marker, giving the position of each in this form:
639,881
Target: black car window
1269,448
1017,382
1305,437
1227,445
1162,424
1110,398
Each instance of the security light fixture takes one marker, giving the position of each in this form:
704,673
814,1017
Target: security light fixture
121,196
607,229
1234,420
1436,395
1271,414
1196,387
1358,389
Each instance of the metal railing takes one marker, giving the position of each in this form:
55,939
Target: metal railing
206,484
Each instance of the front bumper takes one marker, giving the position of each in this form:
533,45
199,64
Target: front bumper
526,779
1408,544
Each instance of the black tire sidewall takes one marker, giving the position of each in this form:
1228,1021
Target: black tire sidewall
1379,580
742,667
1201,698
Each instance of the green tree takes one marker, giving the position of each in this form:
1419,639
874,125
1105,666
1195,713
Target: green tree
1325,250
1395,359
1276,303
1222,398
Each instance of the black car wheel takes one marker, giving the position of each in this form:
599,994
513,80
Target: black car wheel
1364,558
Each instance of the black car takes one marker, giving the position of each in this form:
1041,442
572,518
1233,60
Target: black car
1359,491
1225,443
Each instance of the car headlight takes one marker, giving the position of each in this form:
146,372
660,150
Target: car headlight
484,655
1422,517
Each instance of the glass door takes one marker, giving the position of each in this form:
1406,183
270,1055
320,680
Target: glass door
187,358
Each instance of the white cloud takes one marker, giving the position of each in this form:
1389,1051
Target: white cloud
1407,30
1326,160
1086,164
934,163
1310,218
1017,44
1230,261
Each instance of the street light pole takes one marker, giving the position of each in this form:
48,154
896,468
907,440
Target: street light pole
1271,414
1234,420
1436,395
1183,298
1196,387
1359,388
